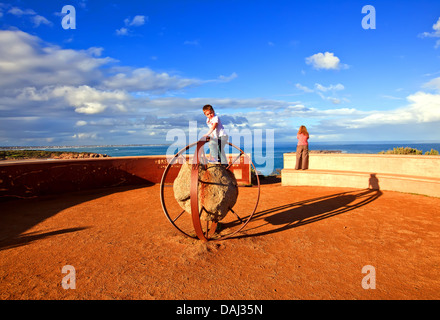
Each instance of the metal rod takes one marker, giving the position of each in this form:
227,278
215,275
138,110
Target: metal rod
184,158
236,215
241,153
178,216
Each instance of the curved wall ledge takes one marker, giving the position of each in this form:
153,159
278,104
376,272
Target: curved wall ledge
404,173
33,178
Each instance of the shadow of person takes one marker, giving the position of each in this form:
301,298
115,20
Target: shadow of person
34,236
307,211
373,182
303,212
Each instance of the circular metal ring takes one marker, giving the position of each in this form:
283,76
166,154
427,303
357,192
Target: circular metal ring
209,234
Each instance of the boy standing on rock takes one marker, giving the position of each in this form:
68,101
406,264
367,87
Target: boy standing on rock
217,135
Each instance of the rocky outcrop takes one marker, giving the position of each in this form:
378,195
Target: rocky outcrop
77,155
44,154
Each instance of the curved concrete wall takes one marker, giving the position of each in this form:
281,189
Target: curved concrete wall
406,173
32,178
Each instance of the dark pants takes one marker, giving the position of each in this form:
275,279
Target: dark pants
302,157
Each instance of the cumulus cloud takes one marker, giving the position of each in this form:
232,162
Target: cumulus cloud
35,18
81,123
320,89
26,61
49,92
61,95
38,20
433,84
336,87
222,78
122,31
303,88
19,12
327,61
423,108
433,34
85,135
145,79
420,114
84,99
136,21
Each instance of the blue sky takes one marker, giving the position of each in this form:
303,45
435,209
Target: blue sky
131,71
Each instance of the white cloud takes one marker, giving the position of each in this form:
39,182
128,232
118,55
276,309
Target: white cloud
423,108
303,88
84,99
122,32
83,136
19,12
36,19
26,61
191,42
137,21
336,87
81,123
223,78
47,91
321,89
433,34
327,61
433,84
145,79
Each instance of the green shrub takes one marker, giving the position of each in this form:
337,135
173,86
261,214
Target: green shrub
402,150
432,153
408,150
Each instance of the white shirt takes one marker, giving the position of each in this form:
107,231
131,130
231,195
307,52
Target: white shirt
219,131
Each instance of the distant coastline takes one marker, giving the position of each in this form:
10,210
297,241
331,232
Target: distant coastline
77,147
18,154
267,158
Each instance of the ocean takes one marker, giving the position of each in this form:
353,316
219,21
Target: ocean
266,160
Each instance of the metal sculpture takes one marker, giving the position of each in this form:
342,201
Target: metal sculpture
209,231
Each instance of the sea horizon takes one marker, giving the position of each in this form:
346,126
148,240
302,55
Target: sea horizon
266,159
341,142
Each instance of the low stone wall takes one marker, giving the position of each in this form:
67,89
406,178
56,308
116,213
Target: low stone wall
33,178
405,173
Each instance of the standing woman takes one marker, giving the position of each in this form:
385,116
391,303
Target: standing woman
302,149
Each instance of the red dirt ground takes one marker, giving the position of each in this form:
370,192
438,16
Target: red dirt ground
302,243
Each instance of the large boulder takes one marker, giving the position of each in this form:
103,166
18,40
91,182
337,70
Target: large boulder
218,190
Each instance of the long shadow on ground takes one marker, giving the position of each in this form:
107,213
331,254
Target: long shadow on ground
18,216
303,212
